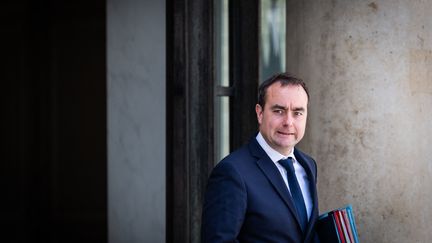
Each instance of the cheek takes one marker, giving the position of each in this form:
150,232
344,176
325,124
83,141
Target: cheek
301,126
275,124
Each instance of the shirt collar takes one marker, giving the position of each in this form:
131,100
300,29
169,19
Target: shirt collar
274,155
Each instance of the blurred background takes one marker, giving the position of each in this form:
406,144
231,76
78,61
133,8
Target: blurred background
115,112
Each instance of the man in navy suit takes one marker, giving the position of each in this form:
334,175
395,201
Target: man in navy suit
266,190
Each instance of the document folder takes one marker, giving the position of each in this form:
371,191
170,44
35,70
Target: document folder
337,226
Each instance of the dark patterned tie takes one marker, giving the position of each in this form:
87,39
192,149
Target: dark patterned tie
295,191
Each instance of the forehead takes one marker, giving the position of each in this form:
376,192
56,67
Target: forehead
286,95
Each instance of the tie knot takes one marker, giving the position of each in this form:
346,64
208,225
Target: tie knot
287,164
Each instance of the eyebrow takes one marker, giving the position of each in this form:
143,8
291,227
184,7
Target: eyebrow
285,108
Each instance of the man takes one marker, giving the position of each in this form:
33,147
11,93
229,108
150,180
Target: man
266,190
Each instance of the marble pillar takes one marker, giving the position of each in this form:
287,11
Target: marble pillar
136,120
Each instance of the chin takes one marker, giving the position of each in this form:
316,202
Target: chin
288,143
286,146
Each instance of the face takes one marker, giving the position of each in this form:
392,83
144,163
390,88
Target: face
282,120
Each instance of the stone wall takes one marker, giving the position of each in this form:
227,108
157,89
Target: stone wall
369,68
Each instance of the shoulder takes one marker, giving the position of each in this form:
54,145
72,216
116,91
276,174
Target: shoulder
236,159
298,152
242,161
301,156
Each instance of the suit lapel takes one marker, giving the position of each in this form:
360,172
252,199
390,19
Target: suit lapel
309,166
272,173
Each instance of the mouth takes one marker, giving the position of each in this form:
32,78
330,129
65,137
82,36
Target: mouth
286,133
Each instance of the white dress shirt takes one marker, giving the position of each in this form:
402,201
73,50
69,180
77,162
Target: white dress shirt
301,175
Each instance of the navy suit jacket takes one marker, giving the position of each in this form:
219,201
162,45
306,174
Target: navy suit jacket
247,200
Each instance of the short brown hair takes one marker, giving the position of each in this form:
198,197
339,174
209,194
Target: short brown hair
284,79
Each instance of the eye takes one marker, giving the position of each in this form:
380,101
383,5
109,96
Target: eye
298,113
279,112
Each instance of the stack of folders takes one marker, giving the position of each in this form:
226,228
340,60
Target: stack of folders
337,226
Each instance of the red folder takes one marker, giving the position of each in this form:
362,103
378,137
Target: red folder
339,227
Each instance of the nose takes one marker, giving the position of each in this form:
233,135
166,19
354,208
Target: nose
288,119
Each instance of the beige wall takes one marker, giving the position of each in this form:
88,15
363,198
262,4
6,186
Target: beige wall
369,67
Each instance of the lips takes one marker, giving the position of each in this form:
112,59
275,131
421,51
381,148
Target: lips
286,133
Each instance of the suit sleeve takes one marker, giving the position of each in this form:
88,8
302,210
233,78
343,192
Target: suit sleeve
224,205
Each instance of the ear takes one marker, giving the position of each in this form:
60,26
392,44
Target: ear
259,112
